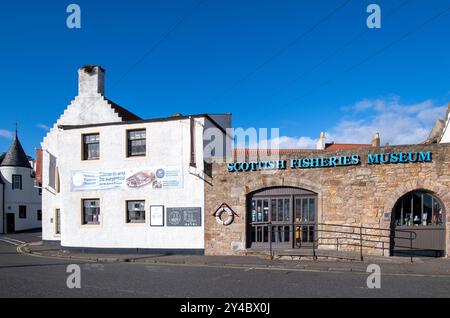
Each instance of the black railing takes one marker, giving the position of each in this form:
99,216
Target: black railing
361,237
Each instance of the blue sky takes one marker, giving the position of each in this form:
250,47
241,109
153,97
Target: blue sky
241,56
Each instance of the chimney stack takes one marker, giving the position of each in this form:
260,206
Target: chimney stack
91,80
320,145
376,141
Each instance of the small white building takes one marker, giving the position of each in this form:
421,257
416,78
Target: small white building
112,180
20,199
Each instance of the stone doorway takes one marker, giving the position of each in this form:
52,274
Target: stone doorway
284,217
418,225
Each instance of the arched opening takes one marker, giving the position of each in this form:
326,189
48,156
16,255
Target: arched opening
284,217
418,225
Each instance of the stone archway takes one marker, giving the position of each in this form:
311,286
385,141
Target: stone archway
434,188
296,193
270,182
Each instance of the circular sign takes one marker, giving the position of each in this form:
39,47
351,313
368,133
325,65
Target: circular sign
228,220
175,218
78,179
160,173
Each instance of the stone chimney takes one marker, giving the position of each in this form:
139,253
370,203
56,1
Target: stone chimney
376,141
321,142
91,80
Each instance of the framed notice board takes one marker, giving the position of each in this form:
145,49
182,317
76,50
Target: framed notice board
184,216
157,215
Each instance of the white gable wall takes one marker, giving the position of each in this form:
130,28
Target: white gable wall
168,144
446,134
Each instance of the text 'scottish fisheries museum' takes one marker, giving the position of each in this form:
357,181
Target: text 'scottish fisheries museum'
114,181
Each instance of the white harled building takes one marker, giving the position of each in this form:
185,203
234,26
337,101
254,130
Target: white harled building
112,180
20,198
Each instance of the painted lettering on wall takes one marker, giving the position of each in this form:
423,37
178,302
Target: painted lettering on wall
329,162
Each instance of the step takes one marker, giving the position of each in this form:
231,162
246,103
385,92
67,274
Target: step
320,254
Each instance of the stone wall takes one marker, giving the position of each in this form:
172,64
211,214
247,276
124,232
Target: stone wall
353,195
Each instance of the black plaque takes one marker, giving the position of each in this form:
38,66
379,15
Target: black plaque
184,216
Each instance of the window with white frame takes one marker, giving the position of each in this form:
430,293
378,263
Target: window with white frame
17,182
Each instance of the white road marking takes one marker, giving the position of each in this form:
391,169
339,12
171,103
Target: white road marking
11,241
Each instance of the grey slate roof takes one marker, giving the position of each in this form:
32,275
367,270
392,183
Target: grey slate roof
16,157
122,112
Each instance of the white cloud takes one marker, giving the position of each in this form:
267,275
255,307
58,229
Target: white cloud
44,127
396,122
6,134
286,142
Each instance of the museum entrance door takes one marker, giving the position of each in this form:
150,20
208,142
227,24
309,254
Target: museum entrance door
418,225
284,217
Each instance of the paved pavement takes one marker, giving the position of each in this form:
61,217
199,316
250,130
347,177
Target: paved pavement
25,275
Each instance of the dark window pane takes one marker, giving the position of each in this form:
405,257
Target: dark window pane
273,210
417,208
407,211
305,209
437,212
266,211
259,210
265,234
298,210
280,210
427,209
253,211
312,210
311,234
136,211
287,209
287,233
91,212
22,212
137,143
91,147
17,182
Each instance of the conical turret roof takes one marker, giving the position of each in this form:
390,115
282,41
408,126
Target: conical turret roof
16,157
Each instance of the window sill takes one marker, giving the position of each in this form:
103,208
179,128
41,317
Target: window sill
135,223
91,225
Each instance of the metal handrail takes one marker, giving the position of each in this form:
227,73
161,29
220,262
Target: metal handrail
360,236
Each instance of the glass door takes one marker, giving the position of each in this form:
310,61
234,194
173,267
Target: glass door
260,215
305,211
277,211
281,218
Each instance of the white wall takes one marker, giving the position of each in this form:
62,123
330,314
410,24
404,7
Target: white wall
91,109
1,210
168,144
28,196
446,136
